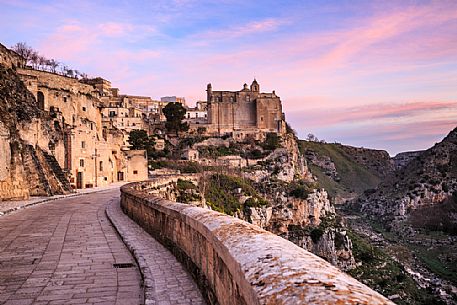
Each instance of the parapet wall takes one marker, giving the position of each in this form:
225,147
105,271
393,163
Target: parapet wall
235,262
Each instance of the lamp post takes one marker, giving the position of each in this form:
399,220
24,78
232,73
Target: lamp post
95,155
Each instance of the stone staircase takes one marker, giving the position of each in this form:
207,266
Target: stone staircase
58,172
34,170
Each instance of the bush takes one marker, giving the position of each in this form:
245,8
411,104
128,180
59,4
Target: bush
272,141
316,234
185,185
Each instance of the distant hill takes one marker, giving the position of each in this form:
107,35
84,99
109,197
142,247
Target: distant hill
346,171
430,178
402,159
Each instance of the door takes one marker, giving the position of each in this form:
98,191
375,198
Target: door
79,180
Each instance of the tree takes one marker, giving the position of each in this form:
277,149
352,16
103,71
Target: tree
53,65
175,113
312,138
139,139
272,141
24,50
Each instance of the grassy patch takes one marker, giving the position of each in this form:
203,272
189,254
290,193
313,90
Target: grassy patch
354,177
380,272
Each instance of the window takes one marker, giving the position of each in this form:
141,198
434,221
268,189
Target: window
101,166
40,98
81,162
64,99
84,108
83,144
248,98
135,172
112,114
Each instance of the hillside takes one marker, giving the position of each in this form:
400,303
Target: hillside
429,179
346,171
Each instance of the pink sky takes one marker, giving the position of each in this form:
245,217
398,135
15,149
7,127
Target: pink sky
379,74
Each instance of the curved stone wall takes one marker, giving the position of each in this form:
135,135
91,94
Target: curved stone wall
235,262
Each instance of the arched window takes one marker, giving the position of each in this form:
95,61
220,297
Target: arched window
40,98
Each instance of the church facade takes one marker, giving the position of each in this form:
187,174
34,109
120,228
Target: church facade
244,112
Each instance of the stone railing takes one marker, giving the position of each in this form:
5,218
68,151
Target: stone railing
235,262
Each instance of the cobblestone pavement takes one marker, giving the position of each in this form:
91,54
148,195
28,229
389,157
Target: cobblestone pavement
63,252
11,206
166,280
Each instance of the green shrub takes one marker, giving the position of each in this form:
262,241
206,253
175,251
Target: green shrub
272,141
316,234
185,185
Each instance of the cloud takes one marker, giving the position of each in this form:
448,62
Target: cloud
255,27
325,117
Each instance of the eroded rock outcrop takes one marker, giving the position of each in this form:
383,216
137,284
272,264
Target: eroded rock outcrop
25,170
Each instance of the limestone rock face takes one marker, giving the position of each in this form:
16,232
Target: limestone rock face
289,211
25,169
428,179
296,219
333,245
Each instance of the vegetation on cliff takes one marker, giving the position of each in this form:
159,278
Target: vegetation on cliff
224,193
338,171
379,271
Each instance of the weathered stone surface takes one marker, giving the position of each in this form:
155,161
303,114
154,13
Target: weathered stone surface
165,279
63,253
239,263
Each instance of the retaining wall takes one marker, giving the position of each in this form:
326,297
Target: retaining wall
235,262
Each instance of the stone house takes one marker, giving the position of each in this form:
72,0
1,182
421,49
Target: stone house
190,155
90,154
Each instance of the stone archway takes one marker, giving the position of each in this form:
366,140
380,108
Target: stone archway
40,99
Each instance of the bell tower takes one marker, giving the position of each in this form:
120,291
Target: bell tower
209,93
255,86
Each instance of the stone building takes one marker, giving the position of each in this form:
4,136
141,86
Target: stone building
90,154
197,114
244,112
173,99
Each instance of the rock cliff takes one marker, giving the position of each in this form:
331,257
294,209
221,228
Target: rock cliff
25,170
428,179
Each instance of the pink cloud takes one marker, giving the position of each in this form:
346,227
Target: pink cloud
254,27
325,117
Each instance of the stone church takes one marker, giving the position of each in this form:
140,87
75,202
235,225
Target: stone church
243,112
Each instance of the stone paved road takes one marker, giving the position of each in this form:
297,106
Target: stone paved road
63,252
166,280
